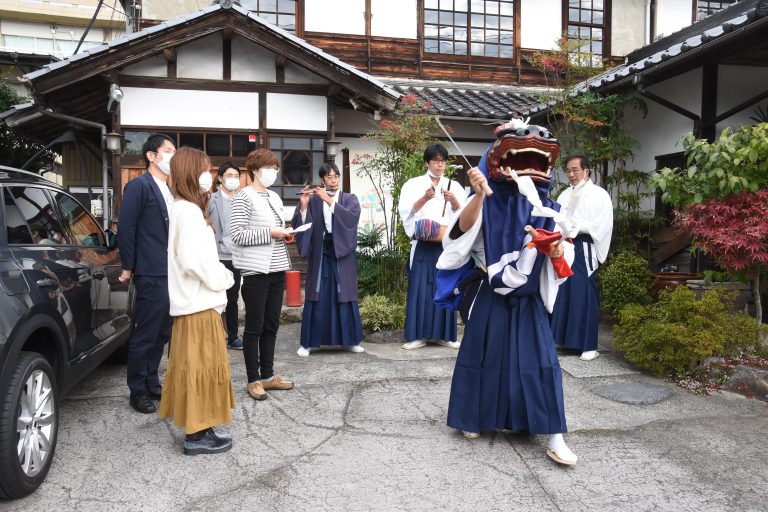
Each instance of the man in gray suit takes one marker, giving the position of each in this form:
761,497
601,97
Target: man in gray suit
219,209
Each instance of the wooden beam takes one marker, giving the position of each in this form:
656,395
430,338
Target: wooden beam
226,54
169,54
280,69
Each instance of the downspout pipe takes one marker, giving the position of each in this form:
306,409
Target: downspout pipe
104,167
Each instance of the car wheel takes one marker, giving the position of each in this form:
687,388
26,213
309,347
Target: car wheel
29,423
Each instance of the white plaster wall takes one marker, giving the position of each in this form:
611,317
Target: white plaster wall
297,112
672,15
295,74
251,62
660,131
184,108
735,85
201,59
394,18
335,16
541,23
628,25
155,66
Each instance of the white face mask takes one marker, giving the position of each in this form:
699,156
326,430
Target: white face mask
268,176
205,180
165,163
231,184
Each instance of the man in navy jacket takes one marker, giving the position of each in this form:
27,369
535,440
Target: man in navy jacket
143,242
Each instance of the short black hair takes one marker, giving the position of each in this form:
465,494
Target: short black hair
326,168
227,166
583,161
153,143
434,150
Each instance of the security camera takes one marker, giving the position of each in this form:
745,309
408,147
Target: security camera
115,96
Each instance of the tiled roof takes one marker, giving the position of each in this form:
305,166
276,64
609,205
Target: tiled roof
669,50
472,101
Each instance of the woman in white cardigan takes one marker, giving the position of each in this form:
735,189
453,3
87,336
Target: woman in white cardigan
198,385
257,229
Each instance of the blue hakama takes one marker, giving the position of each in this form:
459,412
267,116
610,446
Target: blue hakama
576,315
423,319
327,321
507,373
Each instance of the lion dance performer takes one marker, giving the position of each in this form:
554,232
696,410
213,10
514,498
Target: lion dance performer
507,374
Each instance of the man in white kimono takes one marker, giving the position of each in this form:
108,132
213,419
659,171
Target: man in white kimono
589,213
427,204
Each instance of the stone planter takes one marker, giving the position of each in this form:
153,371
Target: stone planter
743,293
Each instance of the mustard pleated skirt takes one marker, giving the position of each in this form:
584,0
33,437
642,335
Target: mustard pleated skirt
197,392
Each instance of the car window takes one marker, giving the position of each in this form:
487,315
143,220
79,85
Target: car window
15,225
80,223
34,207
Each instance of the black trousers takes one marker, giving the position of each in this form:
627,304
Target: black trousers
151,331
230,314
263,297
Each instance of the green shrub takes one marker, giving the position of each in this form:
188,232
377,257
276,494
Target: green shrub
378,313
626,279
672,336
382,272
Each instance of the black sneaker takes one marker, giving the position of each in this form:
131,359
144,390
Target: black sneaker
209,443
142,403
236,344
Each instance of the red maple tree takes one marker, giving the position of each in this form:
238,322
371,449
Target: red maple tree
734,231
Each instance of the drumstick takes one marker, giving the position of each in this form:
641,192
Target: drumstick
484,186
532,231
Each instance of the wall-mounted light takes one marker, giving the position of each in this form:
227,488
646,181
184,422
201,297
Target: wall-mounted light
332,148
377,115
355,104
115,96
113,142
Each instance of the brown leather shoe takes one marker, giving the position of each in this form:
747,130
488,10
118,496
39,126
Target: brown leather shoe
256,390
276,383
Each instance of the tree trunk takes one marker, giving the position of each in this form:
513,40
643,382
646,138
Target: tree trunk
757,298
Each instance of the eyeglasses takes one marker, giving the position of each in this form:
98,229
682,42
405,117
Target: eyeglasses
437,161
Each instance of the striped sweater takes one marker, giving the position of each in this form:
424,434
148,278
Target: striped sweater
254,251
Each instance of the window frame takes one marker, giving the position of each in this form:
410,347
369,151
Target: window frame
605,27
697,7
513,31
298,15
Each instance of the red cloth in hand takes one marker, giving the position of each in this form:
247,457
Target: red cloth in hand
543,241
562,269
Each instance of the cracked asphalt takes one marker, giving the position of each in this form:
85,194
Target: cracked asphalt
367,432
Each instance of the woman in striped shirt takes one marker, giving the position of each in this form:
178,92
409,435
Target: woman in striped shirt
257,229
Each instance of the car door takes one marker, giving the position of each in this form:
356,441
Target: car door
59,283
108,296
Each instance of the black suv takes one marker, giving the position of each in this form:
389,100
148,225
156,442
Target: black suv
62,312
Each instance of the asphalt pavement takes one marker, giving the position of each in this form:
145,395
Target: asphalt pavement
367,432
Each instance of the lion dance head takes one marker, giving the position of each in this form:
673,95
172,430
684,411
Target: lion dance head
529,150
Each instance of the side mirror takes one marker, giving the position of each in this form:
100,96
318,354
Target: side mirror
111,238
